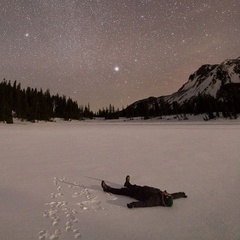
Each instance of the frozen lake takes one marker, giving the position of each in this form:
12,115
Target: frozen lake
51,173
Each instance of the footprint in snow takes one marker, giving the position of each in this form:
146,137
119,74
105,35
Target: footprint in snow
61,213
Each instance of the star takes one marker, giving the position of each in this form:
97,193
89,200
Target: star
116,69
86,45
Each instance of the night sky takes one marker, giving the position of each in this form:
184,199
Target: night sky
114,51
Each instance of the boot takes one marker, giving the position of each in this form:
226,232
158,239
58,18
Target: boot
105,187
127,182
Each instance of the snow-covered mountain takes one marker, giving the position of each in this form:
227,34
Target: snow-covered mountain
207,80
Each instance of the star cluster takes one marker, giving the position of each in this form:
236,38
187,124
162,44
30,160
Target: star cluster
110,51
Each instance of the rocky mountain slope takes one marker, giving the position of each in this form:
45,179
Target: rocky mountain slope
208,80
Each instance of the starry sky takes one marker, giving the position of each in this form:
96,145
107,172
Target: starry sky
115,52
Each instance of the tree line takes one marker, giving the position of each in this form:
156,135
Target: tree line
32,104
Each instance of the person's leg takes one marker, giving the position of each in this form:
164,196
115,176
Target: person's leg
118,191
140,193
127,183
178,195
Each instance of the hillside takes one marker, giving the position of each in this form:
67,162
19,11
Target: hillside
208,79
210,88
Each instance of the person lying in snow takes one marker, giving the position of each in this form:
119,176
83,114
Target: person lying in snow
146,196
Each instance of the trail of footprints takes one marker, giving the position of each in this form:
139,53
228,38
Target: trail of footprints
62,216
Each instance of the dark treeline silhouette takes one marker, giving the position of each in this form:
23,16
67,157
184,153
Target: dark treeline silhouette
32,104
108,113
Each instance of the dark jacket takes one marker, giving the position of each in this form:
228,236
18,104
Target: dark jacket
149,197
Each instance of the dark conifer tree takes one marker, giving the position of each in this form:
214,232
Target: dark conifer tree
31,104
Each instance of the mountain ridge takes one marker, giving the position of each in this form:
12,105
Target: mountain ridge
208,79
218,84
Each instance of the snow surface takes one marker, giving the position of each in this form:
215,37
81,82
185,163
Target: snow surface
51,173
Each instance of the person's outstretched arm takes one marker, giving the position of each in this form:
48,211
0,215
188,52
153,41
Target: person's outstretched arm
178,195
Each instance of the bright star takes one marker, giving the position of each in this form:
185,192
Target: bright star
26,34
116,69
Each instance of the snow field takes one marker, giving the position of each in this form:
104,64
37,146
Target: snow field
51,173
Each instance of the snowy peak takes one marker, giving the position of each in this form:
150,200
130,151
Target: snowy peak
211,86
208,79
